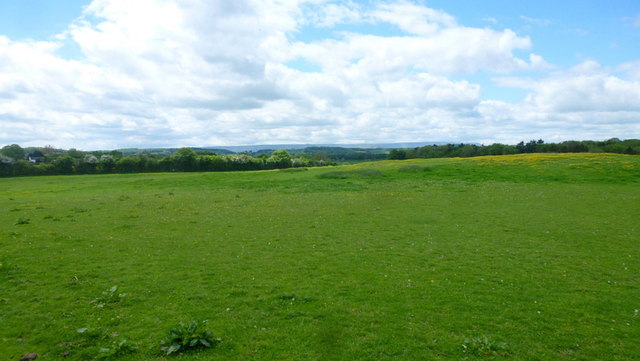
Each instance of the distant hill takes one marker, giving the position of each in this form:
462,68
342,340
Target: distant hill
260,147
168,151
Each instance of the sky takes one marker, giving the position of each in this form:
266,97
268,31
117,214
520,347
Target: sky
106,74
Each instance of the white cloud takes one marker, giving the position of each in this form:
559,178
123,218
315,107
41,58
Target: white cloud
203,72
413,18
632,69
586,101
331,14
584,88
451,51
536,21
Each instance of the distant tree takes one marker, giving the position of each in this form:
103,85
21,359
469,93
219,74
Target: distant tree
64,165
398,154
88,164
301,162
6,166
499,149
106,163
468,150
74,153
5,160
209,163
36,153
242,161
185,160
24,168
13,151
129,164
48,149
279,159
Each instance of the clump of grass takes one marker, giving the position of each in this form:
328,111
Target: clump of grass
21,220
186,337
484,346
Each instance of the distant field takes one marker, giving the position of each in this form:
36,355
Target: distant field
524,257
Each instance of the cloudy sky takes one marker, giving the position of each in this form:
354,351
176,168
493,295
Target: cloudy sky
106,74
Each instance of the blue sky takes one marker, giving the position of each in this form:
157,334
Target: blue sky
113,73
38,19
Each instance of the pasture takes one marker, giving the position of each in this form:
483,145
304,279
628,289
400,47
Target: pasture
523,257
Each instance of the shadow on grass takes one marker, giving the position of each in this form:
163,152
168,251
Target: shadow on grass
360,173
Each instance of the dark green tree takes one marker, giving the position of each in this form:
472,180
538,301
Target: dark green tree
64,165
279,159
106,164
13,151
397,154
185,160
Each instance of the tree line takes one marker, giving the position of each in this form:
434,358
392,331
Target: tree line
614,145
17,161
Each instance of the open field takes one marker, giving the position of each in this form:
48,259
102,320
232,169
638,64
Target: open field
525,257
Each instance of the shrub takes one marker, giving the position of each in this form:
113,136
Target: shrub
185,337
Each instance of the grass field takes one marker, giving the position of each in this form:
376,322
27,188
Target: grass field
524,257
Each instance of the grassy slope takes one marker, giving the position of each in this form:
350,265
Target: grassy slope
380,261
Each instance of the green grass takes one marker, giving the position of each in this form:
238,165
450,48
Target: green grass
527,257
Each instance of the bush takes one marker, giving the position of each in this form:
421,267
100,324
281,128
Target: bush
188,337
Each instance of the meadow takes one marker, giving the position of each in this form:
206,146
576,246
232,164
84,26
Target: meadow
520,257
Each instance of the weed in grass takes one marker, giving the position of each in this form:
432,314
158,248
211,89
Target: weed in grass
96,343
116,349
109,296
186,337
484,346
